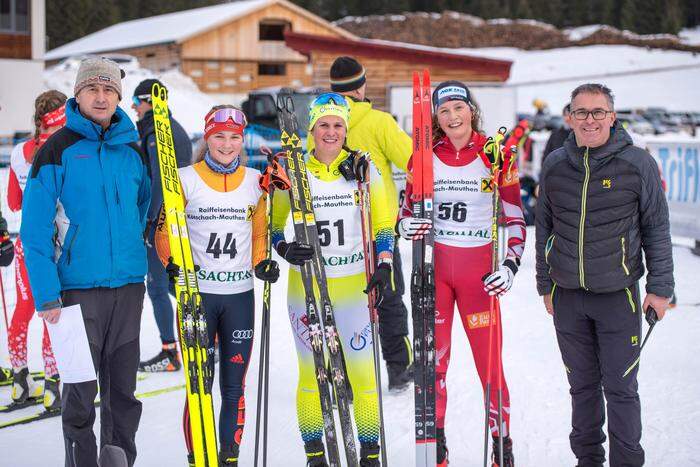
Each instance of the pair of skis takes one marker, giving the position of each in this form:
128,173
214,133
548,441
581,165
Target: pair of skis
194,339
423,276
44,414
321,321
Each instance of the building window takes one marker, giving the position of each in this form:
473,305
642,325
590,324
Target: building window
213,85
272,30
14,16
272,69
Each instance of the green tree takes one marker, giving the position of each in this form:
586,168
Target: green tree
672,21
628,14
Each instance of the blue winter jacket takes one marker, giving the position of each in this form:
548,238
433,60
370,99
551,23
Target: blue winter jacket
84,209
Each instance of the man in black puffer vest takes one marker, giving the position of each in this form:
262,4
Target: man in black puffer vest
601,203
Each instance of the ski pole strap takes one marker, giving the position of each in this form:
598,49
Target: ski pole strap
274,176
493,150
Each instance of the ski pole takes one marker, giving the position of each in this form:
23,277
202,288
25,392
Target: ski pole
268,181
4,305
493,146
652,318
366,217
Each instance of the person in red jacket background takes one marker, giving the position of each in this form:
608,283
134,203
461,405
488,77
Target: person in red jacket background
49,117
463,250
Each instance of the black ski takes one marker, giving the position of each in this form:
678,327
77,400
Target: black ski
320,325
44,414
30,402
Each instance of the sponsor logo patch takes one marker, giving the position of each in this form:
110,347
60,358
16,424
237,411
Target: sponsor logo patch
238,359
486,185
478,320
452,91
241,334
358,342
607,183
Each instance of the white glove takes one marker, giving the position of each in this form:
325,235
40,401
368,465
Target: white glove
500,282
414,228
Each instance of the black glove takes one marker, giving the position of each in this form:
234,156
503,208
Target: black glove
7,249
380,280
354,167
295,253
173,270
267,270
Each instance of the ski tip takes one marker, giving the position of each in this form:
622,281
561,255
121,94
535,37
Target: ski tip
159,91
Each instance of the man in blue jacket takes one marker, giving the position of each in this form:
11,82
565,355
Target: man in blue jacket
168,358
84,215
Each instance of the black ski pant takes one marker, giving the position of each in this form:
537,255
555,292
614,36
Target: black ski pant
599,337
393,320
232,318
112,319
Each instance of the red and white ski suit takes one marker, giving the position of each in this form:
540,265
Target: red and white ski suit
20,164
462,227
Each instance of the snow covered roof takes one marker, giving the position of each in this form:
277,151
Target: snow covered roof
171,27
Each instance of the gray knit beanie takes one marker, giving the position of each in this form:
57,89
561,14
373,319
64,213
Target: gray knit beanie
99,71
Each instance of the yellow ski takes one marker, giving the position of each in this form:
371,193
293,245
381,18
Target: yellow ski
190,313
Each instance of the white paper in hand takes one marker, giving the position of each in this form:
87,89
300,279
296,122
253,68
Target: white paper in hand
70,346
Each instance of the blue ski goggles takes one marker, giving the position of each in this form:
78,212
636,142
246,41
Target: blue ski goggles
329,98
142,98
329,104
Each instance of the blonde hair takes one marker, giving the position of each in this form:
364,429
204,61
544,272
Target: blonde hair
201,147
438,133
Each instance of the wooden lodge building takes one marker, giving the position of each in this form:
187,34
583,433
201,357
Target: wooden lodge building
233,48
22,39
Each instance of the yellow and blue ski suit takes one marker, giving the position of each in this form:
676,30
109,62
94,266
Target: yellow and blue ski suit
339,223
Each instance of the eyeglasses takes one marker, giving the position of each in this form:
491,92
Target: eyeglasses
223,115
329,97
598,114
142,98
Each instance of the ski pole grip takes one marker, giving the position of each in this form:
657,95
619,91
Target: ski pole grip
651,315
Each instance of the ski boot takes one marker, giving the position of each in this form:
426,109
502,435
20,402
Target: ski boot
508,459
442,451
369,455
228,456
5,376
52,393
168,359
315,454
400,377
24,387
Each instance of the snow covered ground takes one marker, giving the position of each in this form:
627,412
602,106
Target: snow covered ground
669,387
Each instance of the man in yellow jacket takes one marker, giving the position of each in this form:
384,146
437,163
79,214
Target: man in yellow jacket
377,132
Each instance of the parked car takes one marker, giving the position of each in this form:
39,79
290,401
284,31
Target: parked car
635,123
263,128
